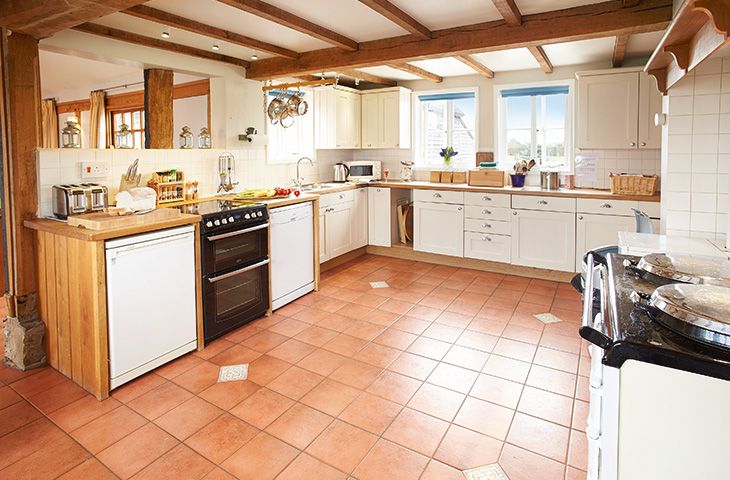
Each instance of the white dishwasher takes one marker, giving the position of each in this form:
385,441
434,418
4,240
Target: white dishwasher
292,253
150,301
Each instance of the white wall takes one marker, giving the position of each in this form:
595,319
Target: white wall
191,112
696,153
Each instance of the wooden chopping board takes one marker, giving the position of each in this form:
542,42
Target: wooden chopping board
105,221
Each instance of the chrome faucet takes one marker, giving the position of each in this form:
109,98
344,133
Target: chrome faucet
299,180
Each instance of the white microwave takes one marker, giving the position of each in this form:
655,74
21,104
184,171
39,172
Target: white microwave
365,170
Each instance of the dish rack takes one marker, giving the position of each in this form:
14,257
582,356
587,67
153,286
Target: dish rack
626,184
169,186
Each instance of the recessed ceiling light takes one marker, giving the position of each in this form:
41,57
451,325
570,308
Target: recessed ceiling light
216,47
254,57
165,34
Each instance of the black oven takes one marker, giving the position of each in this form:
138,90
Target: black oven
235,266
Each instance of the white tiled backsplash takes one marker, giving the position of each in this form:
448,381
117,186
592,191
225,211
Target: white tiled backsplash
697,155
634,161
64,166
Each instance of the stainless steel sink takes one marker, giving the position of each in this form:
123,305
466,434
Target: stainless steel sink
323,186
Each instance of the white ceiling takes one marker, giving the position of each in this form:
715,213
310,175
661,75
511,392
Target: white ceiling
354,20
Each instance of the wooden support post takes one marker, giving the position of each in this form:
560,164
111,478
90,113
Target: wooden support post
21,126
158,126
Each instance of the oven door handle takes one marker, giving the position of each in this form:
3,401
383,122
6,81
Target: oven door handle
238,272
588,329
238,232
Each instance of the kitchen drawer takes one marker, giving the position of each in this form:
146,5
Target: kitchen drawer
488,213
329,199
438,196
548,204
607,207
653,209
496,248
487,199
487,226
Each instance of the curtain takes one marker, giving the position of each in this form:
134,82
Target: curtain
96,119
49,124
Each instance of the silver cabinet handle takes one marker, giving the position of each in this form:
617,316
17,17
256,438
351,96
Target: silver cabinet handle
486,225
643,144
632,144
238,272
238,232
514,212
542,202
486,198
486,239
606,205
487,212
580,217
342,196
436,195
459,209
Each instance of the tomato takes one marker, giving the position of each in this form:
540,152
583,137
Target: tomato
296,193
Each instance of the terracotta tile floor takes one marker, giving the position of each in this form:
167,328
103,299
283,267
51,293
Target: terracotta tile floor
445,370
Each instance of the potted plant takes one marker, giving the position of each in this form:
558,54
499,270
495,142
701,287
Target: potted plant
520,170
447,154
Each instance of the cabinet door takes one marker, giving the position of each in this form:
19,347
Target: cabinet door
379,216
608,111
370,118
339,229
650,103
438,228
593,231
360,218
344,121
543,239
389,129
325,120
355,120
323,249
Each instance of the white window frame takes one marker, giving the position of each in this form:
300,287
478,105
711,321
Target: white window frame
417,122
500,123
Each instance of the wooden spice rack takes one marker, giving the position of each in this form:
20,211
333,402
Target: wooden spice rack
168,191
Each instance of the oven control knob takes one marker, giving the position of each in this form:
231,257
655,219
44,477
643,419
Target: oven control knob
247,216
231,219
209,224
260,214
217,223
224,221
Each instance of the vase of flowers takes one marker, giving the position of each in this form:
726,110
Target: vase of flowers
447,154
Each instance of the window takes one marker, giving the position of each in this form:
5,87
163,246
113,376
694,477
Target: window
287,145
443,120
535,122
134,119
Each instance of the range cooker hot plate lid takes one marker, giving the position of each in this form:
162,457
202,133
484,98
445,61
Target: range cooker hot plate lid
693,270
701,312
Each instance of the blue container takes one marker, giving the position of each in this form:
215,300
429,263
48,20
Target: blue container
518,180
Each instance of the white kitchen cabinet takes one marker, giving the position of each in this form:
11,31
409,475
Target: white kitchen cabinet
386,118
593,231
323,252
336,118
543,239
438,228
483,246
616,110
335,230
360,218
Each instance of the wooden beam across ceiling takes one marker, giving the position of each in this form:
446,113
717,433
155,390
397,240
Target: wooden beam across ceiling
476,65
368,77
619,50
282,17
631,3
43,18
129,37
509,11
539,53
598,20
399,17
172,20
417,71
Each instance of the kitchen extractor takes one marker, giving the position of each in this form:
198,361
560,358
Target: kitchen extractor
292,253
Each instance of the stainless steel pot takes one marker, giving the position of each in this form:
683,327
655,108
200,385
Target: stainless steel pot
549,180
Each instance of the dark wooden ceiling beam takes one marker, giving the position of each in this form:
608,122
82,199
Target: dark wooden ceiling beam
124,36
619,50
475,65
43,18
509,11
282,17
417,71
172,20
631,3
399,17
598,20
368,77
539,53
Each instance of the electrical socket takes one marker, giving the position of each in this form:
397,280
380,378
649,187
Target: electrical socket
94,170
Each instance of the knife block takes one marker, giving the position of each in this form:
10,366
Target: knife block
125,184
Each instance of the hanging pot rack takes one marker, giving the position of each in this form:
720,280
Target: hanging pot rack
312,83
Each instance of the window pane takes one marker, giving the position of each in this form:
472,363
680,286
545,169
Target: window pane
138,143
136,122
555,111
434,131
518,112
127,116
555,148
518,145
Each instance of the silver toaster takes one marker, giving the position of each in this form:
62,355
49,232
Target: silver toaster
75,199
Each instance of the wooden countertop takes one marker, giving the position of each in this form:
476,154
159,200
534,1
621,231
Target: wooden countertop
150,223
